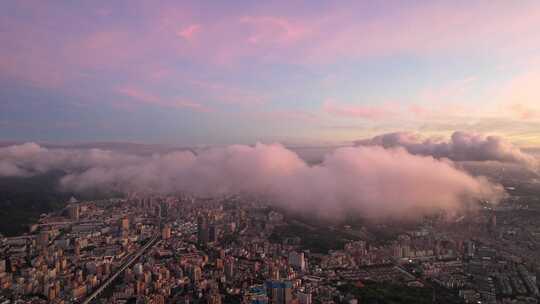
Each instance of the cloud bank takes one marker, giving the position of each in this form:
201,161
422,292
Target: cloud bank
461,146
369,180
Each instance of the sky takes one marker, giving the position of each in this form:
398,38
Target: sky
296,72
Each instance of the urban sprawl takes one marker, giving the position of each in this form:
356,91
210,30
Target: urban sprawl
236,249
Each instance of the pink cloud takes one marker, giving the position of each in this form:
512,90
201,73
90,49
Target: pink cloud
418,110
43,74
27,55
141,95
369,181
449,91
103,12
288,116
524,111
268,36
228,94
331,107
111,49
189,32
273,30
520,97
433,28
285,115
160,74
433,111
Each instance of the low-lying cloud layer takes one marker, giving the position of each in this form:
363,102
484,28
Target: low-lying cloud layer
461,146
370,180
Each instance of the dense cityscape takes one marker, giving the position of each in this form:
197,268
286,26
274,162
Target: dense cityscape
225,250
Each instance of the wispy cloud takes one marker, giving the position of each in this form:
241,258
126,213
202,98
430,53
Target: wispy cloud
524,111
189,32
140,95
229,94
371,112
268,30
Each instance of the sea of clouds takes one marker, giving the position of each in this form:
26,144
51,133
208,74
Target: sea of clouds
392,175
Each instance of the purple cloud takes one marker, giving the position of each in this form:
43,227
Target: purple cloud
461,146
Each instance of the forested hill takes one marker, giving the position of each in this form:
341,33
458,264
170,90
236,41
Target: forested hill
22,200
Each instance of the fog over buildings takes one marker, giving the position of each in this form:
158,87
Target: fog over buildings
370,180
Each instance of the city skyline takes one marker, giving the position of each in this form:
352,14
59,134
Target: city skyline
200,73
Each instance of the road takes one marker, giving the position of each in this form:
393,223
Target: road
127,264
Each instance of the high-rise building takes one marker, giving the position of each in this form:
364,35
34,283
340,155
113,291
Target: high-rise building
202,230
258,299
297,260
164,209
470,248
256,295
77,248
304,297
213,233
157,210
166,232
138,269
405,251
397,250
214,298
2,266
280,292
124,224
43,238
74,212
492,223
229,269
196,274
274,272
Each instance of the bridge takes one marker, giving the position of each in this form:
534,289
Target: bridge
95,294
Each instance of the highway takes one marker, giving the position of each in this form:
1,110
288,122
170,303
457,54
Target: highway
132,260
